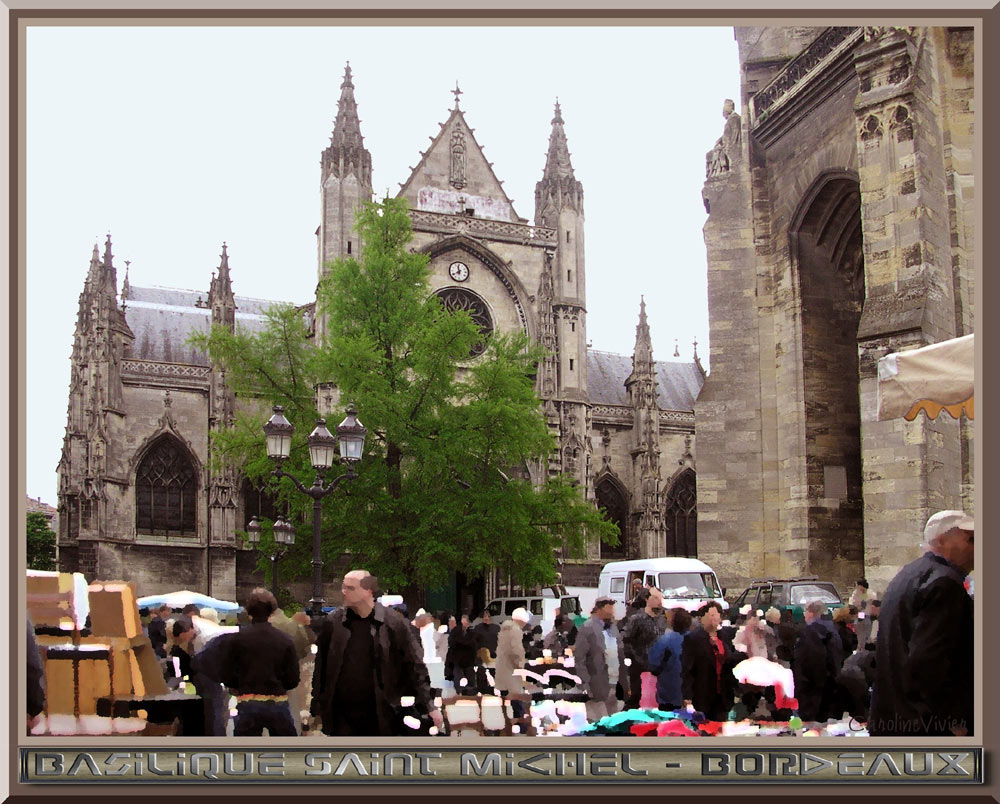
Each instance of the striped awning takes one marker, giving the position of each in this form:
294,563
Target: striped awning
931,379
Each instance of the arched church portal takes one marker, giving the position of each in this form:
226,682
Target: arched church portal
829,256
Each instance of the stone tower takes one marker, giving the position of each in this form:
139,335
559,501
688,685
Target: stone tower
93,469
559,206
224,485
641,386
841,227
345,184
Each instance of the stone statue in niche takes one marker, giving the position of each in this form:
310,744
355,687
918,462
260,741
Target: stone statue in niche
727,148
457,178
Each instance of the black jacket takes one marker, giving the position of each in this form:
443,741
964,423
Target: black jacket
816,665
259,660
924,668
848,639
462,646
400,670
36,674
699,680
487,636
158,636
640,632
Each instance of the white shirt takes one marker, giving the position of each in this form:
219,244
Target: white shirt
427,640
611,656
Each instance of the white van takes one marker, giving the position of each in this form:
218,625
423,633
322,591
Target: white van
685,582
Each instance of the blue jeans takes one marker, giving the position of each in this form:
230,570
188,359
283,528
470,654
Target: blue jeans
252,717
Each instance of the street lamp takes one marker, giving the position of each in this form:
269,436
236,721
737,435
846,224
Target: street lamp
322,454
284,537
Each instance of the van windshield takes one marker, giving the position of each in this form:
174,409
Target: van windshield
689,585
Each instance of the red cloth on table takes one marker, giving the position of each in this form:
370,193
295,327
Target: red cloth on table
710,727
780,700
674,728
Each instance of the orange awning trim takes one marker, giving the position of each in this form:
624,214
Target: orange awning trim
933,409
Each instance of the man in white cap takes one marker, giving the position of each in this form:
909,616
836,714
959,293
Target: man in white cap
924,649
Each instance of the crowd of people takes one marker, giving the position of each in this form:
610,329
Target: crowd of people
902,664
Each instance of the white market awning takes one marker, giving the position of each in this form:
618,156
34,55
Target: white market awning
931,379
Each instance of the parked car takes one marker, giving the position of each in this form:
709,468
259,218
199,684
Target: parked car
789,594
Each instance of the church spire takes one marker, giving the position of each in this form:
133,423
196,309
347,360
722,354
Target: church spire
347,153
558,188
557,162
108,274
642,356
220,294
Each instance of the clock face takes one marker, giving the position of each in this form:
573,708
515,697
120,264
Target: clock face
458,271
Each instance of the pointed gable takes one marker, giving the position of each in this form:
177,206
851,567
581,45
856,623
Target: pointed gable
453,176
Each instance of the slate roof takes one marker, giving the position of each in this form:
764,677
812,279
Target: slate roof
678,383
162,319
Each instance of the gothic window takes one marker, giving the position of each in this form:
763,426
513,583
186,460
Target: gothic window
257,502
681,517
166,486
611,498
462,299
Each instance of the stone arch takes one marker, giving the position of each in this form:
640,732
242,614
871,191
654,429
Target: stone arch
829,274
501,269
166,484
680,515
612,496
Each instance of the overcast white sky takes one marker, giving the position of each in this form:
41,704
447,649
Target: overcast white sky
177,139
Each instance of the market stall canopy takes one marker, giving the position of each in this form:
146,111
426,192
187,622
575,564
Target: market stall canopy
178,600
931,379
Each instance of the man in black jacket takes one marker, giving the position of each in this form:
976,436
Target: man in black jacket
816,665
367,659
924,649
641,630
261,665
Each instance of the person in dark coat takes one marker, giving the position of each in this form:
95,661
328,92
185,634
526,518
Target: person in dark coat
641,630
367,659
35,679
462,647
487,632
703,656
158,630
183,633
816,664
664,660
843,621
261,665
924,669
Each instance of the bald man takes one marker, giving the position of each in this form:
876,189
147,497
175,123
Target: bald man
367,659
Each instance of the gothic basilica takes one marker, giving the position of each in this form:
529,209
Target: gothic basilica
137,498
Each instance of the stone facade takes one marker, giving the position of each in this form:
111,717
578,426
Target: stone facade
143,403
841,228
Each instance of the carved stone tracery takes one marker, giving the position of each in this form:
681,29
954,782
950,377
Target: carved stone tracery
469,302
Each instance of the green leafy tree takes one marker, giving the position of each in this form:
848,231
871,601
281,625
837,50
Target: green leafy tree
438,489
41,552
